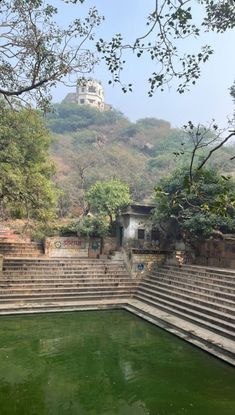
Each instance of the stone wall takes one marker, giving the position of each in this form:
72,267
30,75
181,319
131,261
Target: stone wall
62,247
109,245
142,263
215,253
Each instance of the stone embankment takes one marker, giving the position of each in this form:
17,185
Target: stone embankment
203,296
195,303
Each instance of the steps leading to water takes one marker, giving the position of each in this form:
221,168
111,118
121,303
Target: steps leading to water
44,280
203,296
209,341
196,299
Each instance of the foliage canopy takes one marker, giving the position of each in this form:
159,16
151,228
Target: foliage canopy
196,210
72,117
26,188
108,198
169,24
36,52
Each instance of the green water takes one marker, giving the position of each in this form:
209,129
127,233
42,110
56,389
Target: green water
106,363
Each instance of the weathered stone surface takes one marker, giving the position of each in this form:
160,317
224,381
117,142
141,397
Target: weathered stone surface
109,245
216,253
72,246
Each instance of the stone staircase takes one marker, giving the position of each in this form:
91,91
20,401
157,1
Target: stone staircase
195,303
46,284
202,296
6,233
20,249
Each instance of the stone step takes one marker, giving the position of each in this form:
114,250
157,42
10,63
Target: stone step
63,288
207,340
183,268
69,305
21,253
202,276
62,274
210,294
28,254
66,280
32,253
192,302
78,267
196,281
200,270
68,276
190,308
64,260
58,266
9,292
223,282
214,324
27,268
67,296
63,268
36,264
210,270
19,247
35,276
22,242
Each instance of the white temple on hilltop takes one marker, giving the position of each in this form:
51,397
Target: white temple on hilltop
89,93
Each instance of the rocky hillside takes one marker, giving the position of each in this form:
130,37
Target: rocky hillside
90,146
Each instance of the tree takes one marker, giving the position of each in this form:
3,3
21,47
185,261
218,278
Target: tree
196,210
108,198
203,142
69,117
232,93
168,24
26,188
96,226
36,53
83,163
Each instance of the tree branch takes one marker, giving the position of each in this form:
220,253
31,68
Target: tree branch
202,164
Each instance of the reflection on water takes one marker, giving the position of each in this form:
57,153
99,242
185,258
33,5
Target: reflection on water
106,363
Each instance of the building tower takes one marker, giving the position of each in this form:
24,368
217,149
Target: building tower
91,93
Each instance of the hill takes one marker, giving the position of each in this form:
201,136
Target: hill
90,145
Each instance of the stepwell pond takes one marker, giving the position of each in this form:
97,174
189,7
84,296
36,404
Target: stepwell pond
106,363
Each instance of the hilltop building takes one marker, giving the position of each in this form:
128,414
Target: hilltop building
91,93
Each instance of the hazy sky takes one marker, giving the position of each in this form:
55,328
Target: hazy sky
208,99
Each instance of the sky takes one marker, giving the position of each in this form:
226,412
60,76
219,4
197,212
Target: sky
208,99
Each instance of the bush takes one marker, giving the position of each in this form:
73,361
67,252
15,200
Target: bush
96,226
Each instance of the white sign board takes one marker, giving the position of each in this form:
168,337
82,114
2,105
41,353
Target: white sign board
61,247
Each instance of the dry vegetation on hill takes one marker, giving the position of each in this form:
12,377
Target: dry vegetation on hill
90,146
